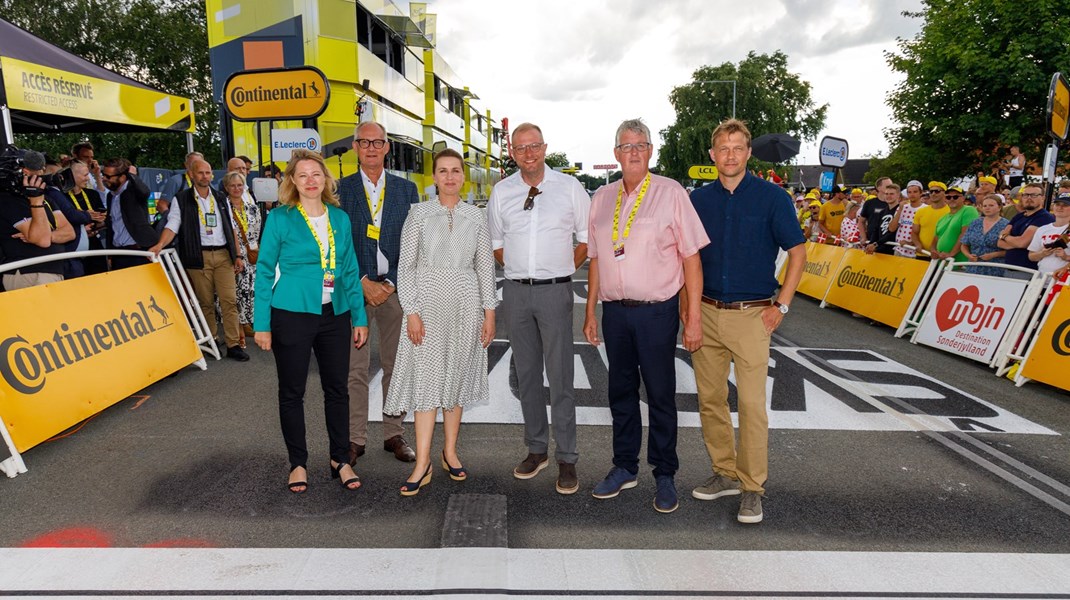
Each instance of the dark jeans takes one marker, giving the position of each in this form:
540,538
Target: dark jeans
294,337
641,340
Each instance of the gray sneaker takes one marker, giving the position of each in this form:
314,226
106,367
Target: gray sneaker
750,508
715,487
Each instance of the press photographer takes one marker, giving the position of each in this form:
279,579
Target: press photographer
29,228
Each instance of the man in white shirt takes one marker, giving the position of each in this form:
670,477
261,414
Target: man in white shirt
534,215
1048,247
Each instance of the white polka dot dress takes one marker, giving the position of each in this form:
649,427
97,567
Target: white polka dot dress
447,277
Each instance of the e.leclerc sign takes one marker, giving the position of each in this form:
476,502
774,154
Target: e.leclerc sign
285,141
276,94
833,152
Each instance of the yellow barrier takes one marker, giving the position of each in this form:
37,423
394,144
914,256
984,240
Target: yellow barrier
878,286
1046,361
72,349
822,263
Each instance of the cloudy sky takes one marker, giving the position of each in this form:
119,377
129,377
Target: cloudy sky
580,67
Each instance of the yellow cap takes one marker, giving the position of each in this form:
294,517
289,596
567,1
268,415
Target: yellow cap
937,184
856,191
987,179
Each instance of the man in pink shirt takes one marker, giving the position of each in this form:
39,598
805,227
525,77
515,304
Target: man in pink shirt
643,242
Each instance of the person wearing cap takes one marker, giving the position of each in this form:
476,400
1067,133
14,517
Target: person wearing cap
877,215
903,220
986,184
923,229
830,216
1048,247
810,228
858,196
804,211
1018,235
950,227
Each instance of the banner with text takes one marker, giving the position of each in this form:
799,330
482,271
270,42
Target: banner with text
73,348
1047,361
878,286
969,314
822,262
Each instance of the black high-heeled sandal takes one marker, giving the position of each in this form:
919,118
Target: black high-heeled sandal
337,474
458,474
411,488
293,486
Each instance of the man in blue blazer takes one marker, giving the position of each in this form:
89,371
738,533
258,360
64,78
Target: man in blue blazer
377,203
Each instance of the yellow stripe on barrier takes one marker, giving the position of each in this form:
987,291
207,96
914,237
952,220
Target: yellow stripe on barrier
73,348
878,286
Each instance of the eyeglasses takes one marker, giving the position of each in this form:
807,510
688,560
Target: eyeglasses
936,191
528,148
377,144
529,203
112,176
953,196
1032,195
629,148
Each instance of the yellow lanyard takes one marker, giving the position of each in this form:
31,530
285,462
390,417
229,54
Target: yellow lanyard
85,197
189,183
330,238
635,209
379,206
211,208
243,218
50,216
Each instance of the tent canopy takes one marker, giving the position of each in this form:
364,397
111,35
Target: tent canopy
48,89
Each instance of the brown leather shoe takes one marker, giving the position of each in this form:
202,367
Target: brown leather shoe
355,451
567,483
530,466
400,449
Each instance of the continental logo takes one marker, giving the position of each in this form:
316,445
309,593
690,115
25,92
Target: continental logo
267,94
892,287
26,364
819,269
1060,339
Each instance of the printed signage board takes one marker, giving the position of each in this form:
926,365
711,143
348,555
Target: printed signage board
822,262
877,286
1047,359
702,172
285,141
276,94
833,152
607,167
826,181
969,314
1058,109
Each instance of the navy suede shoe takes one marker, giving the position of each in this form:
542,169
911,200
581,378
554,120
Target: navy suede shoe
618,479
665,500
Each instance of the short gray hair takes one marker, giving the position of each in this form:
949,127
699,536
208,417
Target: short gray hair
633,125
363,124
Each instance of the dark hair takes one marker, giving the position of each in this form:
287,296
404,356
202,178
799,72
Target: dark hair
121,164
447,153
75,149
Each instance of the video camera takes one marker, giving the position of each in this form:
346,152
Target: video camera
12,162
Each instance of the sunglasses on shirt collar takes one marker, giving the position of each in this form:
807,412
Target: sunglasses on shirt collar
529,203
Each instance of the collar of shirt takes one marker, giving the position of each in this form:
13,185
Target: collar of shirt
374,185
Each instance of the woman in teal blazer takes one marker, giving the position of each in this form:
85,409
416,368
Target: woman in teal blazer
308,295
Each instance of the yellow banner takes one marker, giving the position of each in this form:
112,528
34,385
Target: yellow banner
878,286
71,349
40,89
705,172
822,262
1048,360
275,94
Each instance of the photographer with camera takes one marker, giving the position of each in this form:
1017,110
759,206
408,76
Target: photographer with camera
28,226
128,213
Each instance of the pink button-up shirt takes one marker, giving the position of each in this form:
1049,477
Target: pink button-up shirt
666,230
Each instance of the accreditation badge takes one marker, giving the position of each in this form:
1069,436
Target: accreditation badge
210,220
618,252
328,281
373,232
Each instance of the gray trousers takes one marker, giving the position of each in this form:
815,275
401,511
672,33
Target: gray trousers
539,318
387,320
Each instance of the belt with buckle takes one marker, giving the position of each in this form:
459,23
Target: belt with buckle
738,305
564,279
627,303
209,248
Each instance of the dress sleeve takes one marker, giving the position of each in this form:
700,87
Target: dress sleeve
483,262
408,292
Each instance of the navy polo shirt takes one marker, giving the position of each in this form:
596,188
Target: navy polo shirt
747,228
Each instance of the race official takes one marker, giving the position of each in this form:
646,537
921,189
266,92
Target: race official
535,216
644,240
748,221
378,204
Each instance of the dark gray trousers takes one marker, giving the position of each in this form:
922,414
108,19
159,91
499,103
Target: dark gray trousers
539,318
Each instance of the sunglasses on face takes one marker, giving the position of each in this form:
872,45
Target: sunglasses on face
529,203
953,196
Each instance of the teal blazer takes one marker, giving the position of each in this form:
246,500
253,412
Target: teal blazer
288,243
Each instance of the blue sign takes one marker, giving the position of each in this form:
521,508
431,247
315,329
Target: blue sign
827,178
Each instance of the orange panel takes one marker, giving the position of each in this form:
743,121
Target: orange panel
262,55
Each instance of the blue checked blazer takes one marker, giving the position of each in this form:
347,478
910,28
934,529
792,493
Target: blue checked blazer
400,195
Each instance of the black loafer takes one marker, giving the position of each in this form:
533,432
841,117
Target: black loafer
237,354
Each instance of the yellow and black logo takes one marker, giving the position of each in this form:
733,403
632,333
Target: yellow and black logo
277,94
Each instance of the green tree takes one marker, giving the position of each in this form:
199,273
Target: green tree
163,44
976,82
769,98
557,159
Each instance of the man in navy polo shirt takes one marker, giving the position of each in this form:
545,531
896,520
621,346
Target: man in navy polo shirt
747,220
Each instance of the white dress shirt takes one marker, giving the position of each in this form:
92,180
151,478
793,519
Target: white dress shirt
218,238
538,243
371,190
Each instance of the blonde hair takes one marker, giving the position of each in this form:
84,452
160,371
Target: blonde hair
231,175
288,194
728,128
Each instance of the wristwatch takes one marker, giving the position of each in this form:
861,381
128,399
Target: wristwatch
783,308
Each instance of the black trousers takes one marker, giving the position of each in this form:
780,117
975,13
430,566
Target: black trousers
641,345
294,337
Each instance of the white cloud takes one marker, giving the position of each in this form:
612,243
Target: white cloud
577,68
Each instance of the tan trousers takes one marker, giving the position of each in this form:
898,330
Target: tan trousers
217,279
387,319
739,337
18,281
